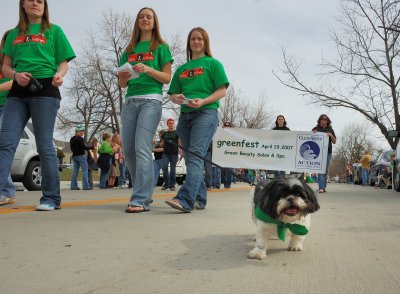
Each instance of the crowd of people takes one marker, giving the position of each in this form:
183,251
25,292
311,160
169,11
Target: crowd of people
35,58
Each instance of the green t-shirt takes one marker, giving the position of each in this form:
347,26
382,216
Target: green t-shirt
145,84
106,148
199,78
3,95
36,53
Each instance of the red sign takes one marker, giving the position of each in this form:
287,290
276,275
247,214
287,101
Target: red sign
30,39
192,73
140,57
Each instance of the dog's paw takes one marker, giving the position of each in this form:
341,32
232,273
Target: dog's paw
296,247
257,253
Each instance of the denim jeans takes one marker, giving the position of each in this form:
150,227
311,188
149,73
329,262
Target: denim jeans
139,119
226,175
208,177
157,166
322,177
169,178
122,171
80,161
279,174
195,130
216,177
8,189
364,176
43,111
104,175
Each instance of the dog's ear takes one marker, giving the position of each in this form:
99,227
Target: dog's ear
312,201
266,196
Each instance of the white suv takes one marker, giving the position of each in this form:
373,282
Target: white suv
26,165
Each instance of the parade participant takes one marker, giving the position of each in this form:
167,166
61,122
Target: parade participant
324,126
197,86
150,57
170,142
36,56
280,124
79,159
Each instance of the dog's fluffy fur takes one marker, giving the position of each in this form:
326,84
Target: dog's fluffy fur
289,200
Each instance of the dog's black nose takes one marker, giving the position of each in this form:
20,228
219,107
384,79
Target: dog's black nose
290,199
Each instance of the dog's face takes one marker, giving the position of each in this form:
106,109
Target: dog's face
285,199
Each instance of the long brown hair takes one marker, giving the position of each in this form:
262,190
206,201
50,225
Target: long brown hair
23,23
324,116
3,41
206,39
156,38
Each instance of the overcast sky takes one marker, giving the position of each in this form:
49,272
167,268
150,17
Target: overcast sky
246,36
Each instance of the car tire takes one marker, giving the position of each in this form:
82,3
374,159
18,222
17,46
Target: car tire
179,181
32,179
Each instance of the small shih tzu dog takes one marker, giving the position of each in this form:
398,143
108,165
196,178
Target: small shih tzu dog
281,206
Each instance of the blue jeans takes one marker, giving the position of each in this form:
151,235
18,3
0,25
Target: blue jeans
169,178
208,177
279,174
226,175
9,189
104,175
157,166
364,176
43,111
322,177
139,119
195,130
122,171
216,177
80,161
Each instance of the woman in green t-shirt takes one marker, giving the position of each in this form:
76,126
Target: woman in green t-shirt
36,55
197,86
149,56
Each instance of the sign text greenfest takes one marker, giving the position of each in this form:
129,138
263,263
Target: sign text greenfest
295,151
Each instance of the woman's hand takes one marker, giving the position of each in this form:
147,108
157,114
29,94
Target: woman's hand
178,98
57,80
23,78
140,67
123,78
196,103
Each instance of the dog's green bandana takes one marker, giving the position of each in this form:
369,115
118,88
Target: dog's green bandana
280,225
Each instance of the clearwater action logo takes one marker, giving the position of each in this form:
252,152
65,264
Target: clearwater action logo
309,150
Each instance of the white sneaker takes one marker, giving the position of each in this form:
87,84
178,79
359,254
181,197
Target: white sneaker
46,207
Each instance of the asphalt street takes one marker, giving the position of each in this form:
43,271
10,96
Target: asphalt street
92,246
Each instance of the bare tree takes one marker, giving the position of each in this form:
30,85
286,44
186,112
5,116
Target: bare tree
237,109
365,73
95,97
351,146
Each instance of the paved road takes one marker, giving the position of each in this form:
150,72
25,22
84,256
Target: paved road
92,246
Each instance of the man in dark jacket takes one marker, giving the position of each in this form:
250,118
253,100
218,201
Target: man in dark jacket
79,160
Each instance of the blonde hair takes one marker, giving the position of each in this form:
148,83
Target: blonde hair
206,39
23,23
156,38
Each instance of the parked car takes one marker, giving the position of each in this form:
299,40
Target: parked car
379,166
180,173
26,165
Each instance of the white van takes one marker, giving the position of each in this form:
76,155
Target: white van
26,165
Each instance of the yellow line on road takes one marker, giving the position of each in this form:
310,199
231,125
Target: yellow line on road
14,208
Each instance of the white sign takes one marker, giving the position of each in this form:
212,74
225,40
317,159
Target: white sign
271,150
